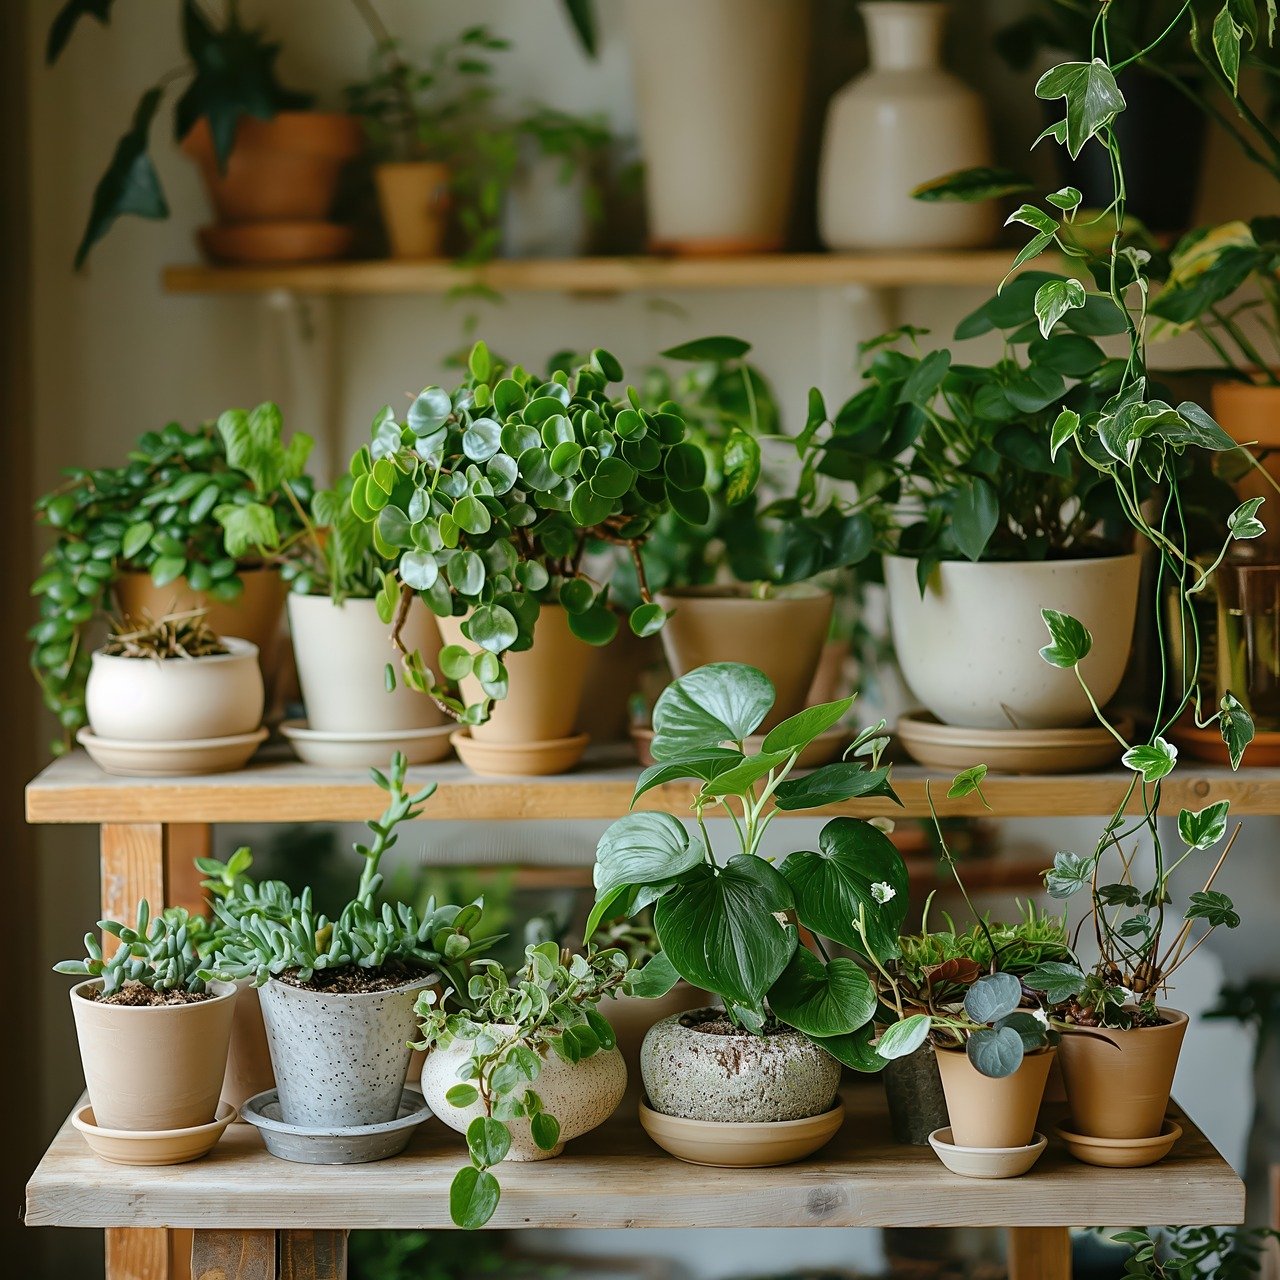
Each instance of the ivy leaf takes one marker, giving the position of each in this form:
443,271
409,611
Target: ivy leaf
971,186
1058,982
1119,895
1067,198
1154,760
1054,299
1071,640
904,1037
1034,218
1065,426
975,511
1227,34
1070,873
1093,98
1203,828
1236,726
1243,522
1214,907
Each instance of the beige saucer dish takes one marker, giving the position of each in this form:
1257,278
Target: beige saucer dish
188,758
727,1145
1121,1153
153,1146
333,750
987,1162
1044,751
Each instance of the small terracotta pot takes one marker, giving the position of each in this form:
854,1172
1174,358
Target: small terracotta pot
618,671
248,1056
414,198
1250,414
783,636
284,169
830,681
1118,1082
986,1112
152,1067
632,1016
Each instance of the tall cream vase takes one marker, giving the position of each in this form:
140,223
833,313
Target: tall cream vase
904,121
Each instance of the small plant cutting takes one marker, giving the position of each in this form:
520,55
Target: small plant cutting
536,1027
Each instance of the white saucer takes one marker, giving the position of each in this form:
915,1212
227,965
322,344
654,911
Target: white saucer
366,750
170,759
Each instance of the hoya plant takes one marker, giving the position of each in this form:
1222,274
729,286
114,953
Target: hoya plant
735,924
510,1023
488,497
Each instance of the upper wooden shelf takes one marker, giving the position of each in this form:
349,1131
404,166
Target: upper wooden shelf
983,267
74,790
615,1177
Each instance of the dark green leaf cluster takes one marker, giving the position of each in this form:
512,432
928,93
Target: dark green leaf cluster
1189,1253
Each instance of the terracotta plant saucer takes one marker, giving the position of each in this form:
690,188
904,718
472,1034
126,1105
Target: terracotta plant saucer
355,1144
153,1146
944,746
265,243
1121,1153
364,750
171,759
1207,744
519,759
741,1146
986,1162
822,750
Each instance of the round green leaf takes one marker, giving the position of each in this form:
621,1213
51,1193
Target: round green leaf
630,425
648,619
587,508
501,471
473,1197
686,467
692,506
508,397
992,997
517,437
494,628
455,661
556,430
466,573
613,478
537,411
482,439
577,595
488,1140
429,412
565,458
598,625
469,513
995,1054
607,364
535,469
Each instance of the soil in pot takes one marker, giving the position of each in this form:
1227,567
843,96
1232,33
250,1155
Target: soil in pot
988,1112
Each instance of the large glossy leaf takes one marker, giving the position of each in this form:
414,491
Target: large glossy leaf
718,703
720,930
740,779
975,511
854,1050
819,999
797,731
696,764
644,848
832,783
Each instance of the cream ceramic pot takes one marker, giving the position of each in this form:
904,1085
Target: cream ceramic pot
904,121
342,651
969,648
174,699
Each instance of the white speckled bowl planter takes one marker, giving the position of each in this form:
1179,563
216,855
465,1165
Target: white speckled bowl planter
581,1095
339,1057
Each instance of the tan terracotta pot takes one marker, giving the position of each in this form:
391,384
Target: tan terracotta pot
1251,415
155,1067
830,680
993,1113
619,670
631,1017
414,199
783,636
545,682
285,169
1118,1082
248,1056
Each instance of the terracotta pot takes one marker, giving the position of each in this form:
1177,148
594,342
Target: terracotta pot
342,651
830,681
153,1067
285,169
1118,1082
248,1056
414,199
783,636
985,1112
631,1017
719,91
617,673
545,682
1251,415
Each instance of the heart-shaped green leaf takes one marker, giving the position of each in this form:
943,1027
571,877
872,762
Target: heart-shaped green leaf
714,704
819,999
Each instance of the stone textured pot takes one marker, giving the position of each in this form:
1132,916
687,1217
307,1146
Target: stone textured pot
1118,1082
414,198
736,1079
342,651
339,1058
904,121
176,699
248,1055
913,1090
969,648
581,1095
989,1113
1250,414
153,1067
783,636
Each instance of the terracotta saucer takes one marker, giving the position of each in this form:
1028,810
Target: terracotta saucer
519,759
945,746
170,759
1207,745
986,1162
331,750
355,1144
153,1146
1121,1153
726,1145
822,750
266,243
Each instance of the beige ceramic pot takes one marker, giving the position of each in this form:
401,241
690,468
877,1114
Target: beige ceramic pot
342,651
990,1113
414,199
175,699
783,636
969,648
1118,1082
1250,414
248,1055
153,1067
580,1095
719,91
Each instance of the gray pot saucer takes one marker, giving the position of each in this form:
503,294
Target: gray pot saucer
355,1144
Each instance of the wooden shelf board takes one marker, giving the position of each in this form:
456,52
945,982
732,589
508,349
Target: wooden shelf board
74,790
974,267
615,1177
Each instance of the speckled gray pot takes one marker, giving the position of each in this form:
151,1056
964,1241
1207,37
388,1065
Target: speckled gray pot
913,1089
735,1079
580,1095
339,1059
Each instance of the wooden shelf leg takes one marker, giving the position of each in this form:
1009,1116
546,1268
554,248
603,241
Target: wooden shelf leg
233,1255
1039,1253
312,1255
132,858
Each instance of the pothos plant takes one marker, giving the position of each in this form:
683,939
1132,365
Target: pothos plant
487,498
510,1024
732,925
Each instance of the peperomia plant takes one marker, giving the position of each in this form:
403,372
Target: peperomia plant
510,1024
488,497
733,926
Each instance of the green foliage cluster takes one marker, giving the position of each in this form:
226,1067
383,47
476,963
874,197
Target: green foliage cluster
1188,1253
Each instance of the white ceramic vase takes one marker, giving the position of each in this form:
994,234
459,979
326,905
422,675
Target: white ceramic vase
719,89
969,647
904,121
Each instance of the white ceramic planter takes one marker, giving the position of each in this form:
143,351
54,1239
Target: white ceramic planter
719,89
580,1095
342,651
969,648
339,1058
176,699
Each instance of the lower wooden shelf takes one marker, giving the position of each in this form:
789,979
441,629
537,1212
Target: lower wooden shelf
615,1177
